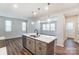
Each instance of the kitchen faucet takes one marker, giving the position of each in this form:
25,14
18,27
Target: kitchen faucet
36,31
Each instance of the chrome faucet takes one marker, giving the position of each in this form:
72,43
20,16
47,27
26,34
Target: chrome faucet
36,31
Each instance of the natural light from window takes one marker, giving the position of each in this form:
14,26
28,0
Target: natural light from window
23,26
8,26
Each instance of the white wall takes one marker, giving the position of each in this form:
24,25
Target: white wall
31,27
16,28
60,30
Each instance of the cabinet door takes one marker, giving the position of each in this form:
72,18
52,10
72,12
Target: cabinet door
43,48
38,48
31,45
28,43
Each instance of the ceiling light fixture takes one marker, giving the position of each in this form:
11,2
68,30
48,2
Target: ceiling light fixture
34,13
47,7
38,21
38,9
32,23
48,20
15,6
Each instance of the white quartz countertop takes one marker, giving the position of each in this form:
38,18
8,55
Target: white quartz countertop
43,38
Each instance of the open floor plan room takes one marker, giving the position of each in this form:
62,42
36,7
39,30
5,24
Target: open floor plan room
39,28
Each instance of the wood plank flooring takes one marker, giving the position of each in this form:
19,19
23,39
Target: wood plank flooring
14,47
2,43
70,48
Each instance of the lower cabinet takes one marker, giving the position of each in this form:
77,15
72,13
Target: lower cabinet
44,50
30,44
38,47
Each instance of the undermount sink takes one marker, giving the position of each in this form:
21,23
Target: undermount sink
34,36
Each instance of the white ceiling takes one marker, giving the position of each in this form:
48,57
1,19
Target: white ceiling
24,10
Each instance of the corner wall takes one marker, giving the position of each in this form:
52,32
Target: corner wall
60,30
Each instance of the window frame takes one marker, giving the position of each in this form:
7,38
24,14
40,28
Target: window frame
54,22
24,26
52,26
8,26
69,28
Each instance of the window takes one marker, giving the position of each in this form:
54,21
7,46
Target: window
8,26
49,26
23,26
69,27
52,26
44,27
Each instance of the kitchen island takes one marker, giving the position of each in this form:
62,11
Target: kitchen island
40,45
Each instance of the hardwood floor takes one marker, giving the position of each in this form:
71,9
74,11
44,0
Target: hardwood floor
71,48
14,47
2,43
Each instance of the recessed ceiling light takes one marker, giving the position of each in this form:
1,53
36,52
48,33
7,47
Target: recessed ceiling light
15,6
48,20
32,23
38,21
46,8
34,13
